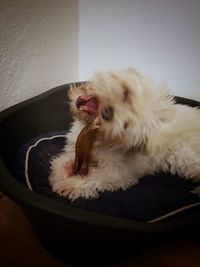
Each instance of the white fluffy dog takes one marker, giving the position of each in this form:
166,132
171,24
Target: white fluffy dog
142,131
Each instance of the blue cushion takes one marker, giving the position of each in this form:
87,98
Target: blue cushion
154,198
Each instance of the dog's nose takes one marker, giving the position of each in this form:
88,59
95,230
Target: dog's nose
107,113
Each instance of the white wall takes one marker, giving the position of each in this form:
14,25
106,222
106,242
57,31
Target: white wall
159,37
38,47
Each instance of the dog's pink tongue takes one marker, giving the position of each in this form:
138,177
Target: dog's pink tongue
89,104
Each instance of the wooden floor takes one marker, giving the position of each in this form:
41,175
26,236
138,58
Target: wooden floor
20,247
18,244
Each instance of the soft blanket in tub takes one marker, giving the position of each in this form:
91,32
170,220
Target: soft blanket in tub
154,198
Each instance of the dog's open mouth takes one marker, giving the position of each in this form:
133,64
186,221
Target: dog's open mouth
88,103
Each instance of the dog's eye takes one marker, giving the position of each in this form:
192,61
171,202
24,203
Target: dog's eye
107,113
125,125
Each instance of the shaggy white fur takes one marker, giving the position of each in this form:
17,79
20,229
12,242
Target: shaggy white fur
142,131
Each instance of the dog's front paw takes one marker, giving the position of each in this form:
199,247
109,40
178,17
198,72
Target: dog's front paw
61,169
196,191
76,187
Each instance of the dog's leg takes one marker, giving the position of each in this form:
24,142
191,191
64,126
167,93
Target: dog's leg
90,186
114,174
61,167
186,162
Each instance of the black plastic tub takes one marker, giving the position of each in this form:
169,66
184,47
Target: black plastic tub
71,234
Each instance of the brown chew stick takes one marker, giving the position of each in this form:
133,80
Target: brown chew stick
83,148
